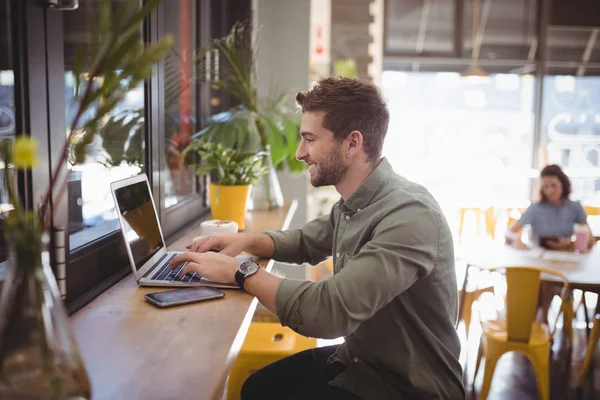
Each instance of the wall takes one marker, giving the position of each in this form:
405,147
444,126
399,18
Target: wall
350,36
357,34
283,50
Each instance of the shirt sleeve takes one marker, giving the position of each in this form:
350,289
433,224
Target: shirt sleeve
312,243
527,216
404,247
580,215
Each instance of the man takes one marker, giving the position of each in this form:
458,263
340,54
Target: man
393,295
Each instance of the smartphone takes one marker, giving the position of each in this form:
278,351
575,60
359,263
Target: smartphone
545,239
177,297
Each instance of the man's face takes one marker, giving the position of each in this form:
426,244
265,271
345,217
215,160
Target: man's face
320,151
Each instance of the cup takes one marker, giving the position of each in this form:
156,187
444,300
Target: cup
582,237
213,226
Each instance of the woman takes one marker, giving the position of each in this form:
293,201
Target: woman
553,217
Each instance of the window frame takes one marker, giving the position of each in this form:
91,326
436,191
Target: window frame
177,216
38,41
97,265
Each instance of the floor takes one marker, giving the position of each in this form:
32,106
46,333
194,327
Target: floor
514,377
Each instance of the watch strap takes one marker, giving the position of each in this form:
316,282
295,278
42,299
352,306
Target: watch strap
239,279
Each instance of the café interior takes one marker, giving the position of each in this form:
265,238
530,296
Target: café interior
482,95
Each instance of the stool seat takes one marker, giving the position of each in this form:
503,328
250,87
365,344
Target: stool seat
265,343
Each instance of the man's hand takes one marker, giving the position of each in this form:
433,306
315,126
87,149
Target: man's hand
232,244
562,243
217,267
228,244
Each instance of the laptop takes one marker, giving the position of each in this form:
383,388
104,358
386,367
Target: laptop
144,240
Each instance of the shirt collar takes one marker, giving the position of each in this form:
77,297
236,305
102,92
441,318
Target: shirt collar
364,194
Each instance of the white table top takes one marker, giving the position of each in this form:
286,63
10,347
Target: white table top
582,270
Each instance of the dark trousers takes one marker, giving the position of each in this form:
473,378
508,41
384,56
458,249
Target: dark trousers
301,376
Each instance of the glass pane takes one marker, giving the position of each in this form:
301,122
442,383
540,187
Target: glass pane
118,150
7,101
566,44
469,143
506,30
419,27
571,132
180,100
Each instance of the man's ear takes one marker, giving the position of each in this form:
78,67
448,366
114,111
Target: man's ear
355,143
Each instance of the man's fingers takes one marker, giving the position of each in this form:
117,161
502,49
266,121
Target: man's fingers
196,244
208,245
191,267
183,257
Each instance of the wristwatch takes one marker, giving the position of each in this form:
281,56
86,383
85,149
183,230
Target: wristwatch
246,269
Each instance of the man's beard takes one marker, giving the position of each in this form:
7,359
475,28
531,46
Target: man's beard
331,171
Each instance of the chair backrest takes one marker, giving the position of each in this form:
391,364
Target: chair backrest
521,298
491,219
592,210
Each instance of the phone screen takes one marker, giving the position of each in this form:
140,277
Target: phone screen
183,296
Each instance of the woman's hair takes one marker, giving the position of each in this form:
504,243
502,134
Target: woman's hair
555,170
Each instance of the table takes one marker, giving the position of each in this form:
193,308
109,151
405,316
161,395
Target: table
583,271
133,350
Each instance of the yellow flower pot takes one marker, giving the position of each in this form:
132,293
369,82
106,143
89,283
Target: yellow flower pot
229,203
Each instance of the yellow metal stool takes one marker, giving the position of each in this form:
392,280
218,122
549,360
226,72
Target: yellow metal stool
265,343
591,350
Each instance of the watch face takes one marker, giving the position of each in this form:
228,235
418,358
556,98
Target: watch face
248,267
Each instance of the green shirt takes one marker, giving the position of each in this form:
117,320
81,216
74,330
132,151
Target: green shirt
393,296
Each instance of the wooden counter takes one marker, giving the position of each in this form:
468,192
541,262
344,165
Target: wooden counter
133,350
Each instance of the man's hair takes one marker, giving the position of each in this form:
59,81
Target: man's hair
349,105
555,170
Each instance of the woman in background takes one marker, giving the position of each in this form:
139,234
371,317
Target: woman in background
553,217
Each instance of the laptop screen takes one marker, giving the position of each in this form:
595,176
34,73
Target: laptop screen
140,224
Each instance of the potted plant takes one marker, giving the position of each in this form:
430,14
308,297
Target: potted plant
265,125
233,172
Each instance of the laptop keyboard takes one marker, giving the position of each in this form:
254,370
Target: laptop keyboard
167,274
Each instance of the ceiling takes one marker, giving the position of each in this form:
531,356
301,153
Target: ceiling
425,34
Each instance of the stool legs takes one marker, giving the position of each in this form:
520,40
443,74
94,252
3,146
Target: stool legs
591,349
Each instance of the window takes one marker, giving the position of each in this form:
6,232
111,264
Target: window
571,131
419,27
116,153
8,118
184,107
437,35
181,119
469,143
507,30
133,139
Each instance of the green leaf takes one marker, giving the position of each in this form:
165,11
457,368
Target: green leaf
78,66
125,45
229,166
104,19
137,18
81,147
125,10
276,140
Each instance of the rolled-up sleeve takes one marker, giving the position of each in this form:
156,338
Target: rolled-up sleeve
404,247
312,243
528,215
